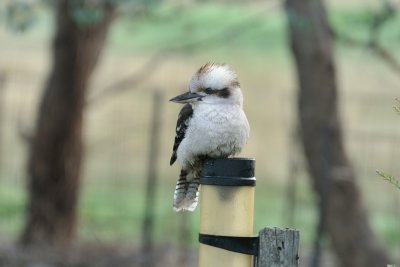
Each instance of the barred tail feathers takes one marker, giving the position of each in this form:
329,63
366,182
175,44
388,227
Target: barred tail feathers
186,195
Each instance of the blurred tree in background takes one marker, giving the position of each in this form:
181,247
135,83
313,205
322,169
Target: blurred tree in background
56,147
342,213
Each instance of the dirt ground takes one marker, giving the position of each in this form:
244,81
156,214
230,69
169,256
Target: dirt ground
114,255
88,255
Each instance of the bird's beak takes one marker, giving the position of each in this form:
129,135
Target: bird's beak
186,98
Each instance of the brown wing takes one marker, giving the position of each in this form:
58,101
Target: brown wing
184,117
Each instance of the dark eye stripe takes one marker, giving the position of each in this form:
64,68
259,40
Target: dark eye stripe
209,91
224,93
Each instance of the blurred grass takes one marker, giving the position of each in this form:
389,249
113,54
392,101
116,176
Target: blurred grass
12,202
253,40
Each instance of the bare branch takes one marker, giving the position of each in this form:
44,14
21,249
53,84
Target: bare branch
386,56
373,43
130,82
155,62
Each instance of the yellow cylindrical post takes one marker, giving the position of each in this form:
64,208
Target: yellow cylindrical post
226,209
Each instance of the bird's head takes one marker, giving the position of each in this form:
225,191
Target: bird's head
212,84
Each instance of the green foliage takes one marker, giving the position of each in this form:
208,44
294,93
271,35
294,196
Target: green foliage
390,178
397,107
357,23
207,27
85,14
357,20
18,16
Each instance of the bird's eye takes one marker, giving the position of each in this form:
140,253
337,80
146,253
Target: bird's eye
209,91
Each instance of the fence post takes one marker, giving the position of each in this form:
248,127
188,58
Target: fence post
226,221
278,247
2,118
226,213
152,179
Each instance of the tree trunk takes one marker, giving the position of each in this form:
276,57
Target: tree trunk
54,165
333,178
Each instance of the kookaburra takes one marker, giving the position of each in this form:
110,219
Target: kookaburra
211,124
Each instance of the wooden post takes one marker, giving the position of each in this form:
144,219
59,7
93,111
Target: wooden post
226,209
278,247
2,118
226,221
151,181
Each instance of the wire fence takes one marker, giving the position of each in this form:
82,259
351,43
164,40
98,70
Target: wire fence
113,195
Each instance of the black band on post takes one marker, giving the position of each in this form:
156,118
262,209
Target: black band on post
244,245
234,172
228,172
228,181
